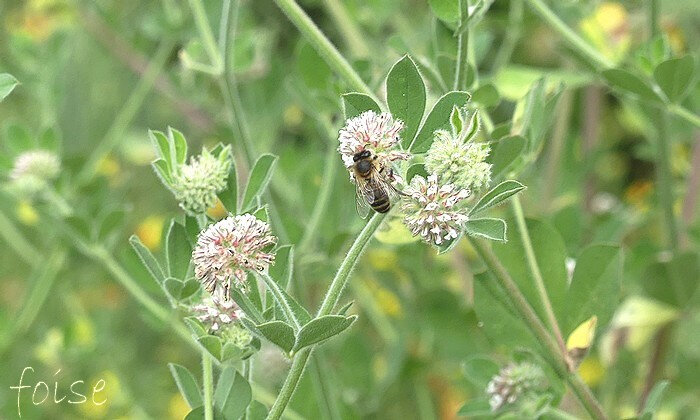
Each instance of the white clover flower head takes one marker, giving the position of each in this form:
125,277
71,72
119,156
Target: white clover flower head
459,160
197,183
40,164
378,133
226,250
216,314
513,382
432,209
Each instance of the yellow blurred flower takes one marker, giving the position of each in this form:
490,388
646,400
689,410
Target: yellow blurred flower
676,39
149,231
607,28
108,393
83,332
177,407
638,193
382,259
293,116
39,19
380,367
385,299
26,213
109,167
218,211
48,350
591,371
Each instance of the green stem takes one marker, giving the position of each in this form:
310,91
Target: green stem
343,274
329,301
207,36
346,25
16,240
323,46
324,198
554,356
663,173
683,113
208,380
127,113
569,35
654,17
537,273
461,62
266,397
512,34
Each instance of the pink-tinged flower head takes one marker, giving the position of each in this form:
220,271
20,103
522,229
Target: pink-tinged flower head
378,133
216,314
432,210
227,249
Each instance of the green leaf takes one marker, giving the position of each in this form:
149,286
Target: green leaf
110,223
174,287
630,83
355,104
497,195
595,286
262,214
283,267
160,166
196,414
487,96
180,145
673,282
498,319
503,153
178,251
246,305
448,245
675,77
405,95
7,85
439,117
476,408
479,370
311,67
163,148
279,333
416,169
187,385
195,326
654,397
18,138
148,260
257,411
229,196
550,255
192,229
345,308
322,328
293,311
492,229
259,178
213,345
445,10
50,139
232,394
189,288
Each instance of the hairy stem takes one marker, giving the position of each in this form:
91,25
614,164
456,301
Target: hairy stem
663,175
346,25
208,382
329,301
206,36
323,46
537,273
555,357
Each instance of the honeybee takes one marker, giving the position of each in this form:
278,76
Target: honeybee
373,184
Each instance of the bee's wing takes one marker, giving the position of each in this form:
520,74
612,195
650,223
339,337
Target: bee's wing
383,180
363,196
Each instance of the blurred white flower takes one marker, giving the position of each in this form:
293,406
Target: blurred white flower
432,211
378,133
457,158
196,184
226,249
216,313
514,382
32,170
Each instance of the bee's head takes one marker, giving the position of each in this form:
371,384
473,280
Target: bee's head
361,155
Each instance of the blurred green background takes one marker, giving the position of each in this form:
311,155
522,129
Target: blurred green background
84,67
